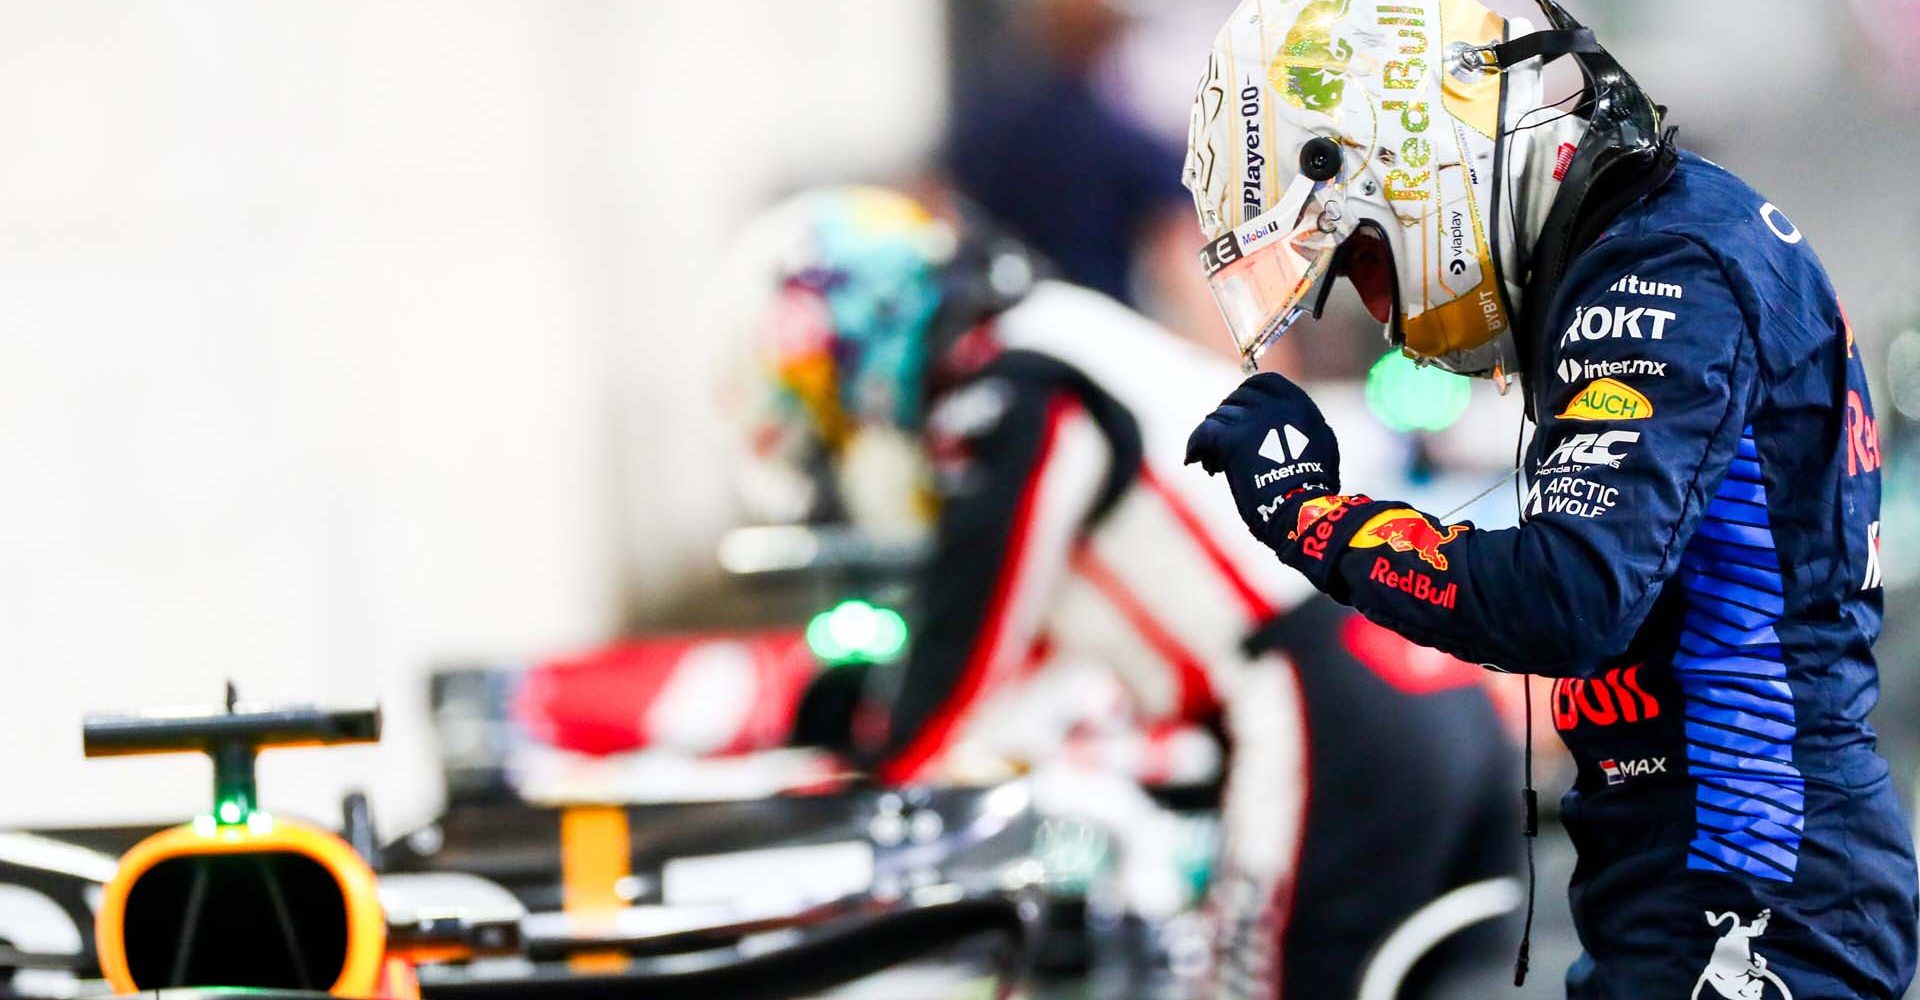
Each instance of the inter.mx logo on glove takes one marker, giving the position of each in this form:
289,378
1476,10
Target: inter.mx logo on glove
1284,451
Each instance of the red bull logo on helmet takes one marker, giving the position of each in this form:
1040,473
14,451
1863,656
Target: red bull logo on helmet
1404,530
1312,71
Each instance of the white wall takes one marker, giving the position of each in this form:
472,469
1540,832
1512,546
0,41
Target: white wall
343,337
734,111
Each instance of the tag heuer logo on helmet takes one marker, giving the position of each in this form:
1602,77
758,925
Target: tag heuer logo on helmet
1608,399
1573,371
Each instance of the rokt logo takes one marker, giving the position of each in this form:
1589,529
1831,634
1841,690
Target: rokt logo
1602,322
1608,399
1572,371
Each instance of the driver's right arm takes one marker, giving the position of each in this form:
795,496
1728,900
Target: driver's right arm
1625,471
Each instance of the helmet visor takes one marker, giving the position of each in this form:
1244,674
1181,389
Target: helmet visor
1262,270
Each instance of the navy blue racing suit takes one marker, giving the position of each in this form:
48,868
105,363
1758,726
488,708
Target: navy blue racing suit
1697,569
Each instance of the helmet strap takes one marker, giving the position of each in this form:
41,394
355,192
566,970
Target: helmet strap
1546,45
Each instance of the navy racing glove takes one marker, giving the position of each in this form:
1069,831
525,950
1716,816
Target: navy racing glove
1276,450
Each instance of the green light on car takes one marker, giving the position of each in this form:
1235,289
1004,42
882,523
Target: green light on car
855,631
1407,397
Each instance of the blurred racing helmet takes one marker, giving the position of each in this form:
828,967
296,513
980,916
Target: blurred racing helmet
844,300
1368,140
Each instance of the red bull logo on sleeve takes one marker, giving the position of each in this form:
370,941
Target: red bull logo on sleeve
1414,584
1315,509
1863,436
1607,700
1404,530
1318,517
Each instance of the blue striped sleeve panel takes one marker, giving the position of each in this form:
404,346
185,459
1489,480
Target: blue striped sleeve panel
1749,799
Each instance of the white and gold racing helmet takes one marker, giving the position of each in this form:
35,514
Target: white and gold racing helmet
1334,137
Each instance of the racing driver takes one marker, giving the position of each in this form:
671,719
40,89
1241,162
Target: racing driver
1053,421
1696,565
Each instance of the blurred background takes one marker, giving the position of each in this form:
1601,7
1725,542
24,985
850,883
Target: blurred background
343,343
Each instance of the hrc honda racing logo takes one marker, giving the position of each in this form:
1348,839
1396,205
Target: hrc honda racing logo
1589,450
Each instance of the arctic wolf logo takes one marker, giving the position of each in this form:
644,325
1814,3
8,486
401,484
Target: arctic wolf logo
1735,972
1408,531
1315,62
